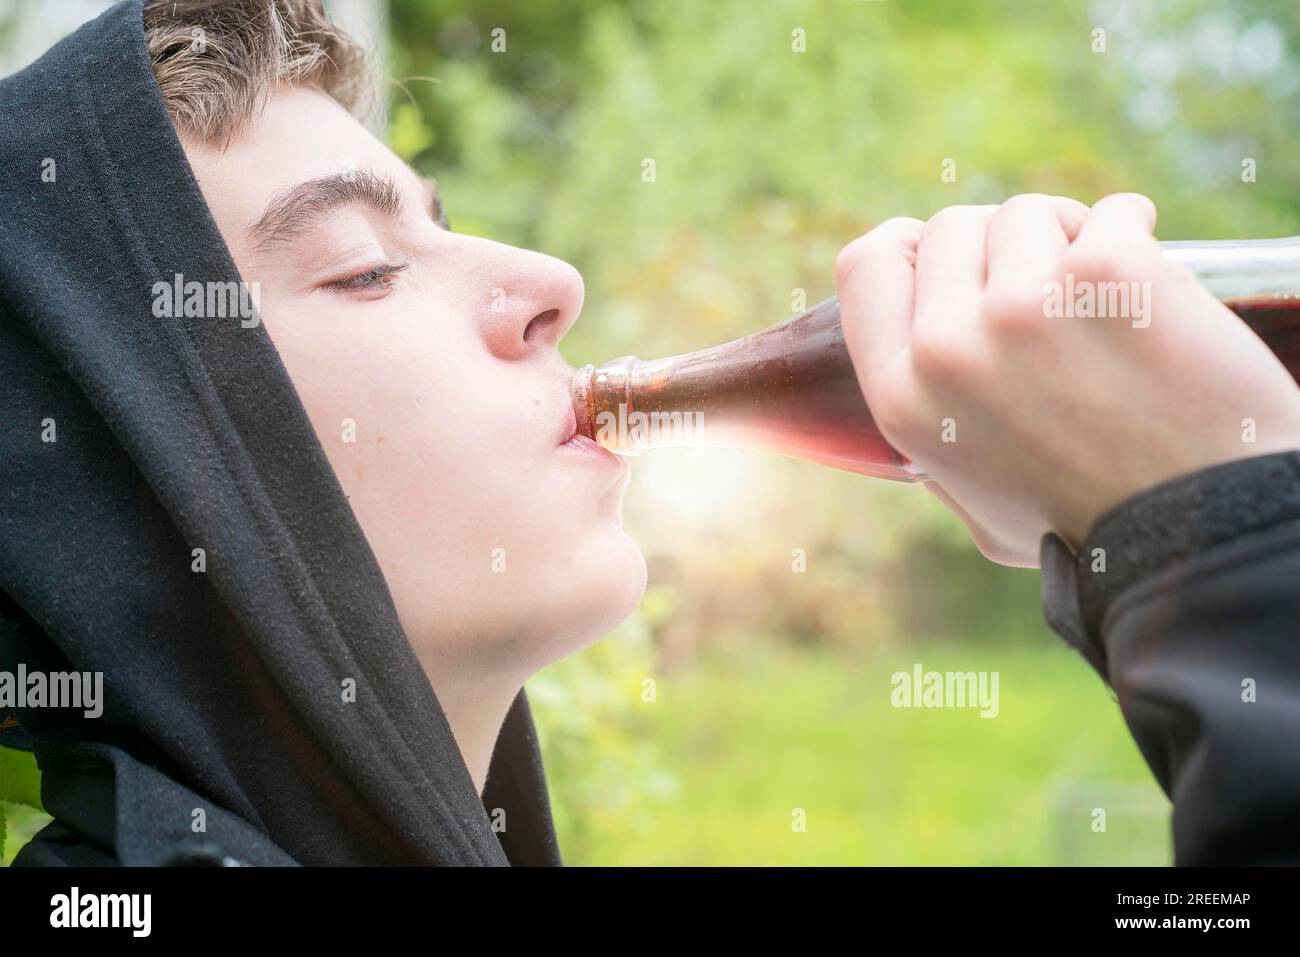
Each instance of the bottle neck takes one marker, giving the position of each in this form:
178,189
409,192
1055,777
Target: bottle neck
1244,268
596,391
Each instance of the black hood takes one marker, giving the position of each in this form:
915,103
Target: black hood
223,688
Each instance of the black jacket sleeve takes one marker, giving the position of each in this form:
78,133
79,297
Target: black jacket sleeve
1186,600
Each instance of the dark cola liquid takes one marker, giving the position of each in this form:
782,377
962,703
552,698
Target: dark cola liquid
791,389
1276,320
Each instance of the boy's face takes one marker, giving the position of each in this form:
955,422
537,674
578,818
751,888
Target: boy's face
501,542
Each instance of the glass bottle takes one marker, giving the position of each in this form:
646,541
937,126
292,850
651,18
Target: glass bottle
791,388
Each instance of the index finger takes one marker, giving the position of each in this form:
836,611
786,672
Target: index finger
875,276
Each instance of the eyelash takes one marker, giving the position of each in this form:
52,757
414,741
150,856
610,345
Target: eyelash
381,277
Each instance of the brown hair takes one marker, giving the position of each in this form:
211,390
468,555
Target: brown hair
217,61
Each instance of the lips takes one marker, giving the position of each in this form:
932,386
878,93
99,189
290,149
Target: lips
568,423
572,440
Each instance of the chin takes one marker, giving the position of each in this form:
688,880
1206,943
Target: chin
617,581
603,586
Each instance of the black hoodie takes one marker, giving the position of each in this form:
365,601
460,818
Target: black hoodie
224,687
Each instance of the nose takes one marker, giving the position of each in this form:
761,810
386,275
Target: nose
531,305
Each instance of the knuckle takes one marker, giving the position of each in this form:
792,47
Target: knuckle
902,224
1092,261
1027,201
1112,258
951,215
848,258
1137,199
1013,307
889,235
939,358
945,217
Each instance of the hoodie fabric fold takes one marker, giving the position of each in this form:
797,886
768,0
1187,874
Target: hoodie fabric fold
130,441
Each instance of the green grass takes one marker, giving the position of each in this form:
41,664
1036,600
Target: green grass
750,737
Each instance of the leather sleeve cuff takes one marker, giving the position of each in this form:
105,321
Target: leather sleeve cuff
1159,527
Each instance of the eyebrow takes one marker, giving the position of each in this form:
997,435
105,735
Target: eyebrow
301,208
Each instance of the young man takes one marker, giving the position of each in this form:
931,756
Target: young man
317,549
314,548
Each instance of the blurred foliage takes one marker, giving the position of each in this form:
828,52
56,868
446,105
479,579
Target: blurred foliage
766,162
755,738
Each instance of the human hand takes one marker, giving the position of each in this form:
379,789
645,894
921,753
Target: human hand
1030,421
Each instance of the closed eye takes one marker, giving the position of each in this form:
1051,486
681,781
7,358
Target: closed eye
380,277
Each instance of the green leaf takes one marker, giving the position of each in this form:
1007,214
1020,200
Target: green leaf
19,825
20,778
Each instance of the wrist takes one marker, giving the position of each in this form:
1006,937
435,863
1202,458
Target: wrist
1168,523
1078,524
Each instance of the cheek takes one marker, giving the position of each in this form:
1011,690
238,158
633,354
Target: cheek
447,458
389,405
